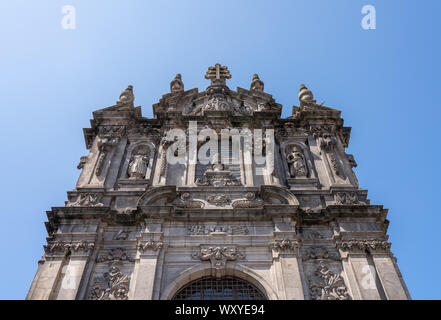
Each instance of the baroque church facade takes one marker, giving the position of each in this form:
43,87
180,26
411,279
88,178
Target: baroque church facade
138,226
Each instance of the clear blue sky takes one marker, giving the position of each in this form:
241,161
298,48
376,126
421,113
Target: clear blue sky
385,81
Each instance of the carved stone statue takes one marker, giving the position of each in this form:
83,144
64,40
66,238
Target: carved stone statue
296,162
126,97
138,166
256,84
177,85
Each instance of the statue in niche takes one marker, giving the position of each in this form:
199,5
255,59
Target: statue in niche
138,166
296,163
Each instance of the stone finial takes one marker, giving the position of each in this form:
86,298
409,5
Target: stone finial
305,96
218,74
126,97
177,85
257,84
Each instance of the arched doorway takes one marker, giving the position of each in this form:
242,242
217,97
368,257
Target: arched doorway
225,288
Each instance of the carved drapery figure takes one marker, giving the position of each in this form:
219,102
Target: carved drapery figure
327,285
114,287
126,98
177,85
296,163
257,84
138,166
104,146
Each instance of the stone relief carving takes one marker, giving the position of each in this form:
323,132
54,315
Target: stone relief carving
342,198
113,286
62,247
207,229
184,201
218,199
121,235
87,199
251,201
319,253
150,245
363,245
327,285
218,255
137,166
115,255
285,244
296,163
217,176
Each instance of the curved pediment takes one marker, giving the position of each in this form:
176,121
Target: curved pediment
158,196
278,195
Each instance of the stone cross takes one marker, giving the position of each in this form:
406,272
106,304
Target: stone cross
218,74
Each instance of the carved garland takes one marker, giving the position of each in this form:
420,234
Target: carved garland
363,245
65,247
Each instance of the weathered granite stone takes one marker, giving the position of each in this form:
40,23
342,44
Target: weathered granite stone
138,226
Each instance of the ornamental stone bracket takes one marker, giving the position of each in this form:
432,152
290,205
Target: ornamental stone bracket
150,247
218,256
285,245
63,248
362,246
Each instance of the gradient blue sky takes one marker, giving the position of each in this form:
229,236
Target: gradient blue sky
385,81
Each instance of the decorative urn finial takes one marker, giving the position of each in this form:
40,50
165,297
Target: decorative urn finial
305,96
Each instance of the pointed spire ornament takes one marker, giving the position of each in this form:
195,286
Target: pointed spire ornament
305,96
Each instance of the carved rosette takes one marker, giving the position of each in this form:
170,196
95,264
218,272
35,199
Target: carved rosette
218,256
327,285
113,286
